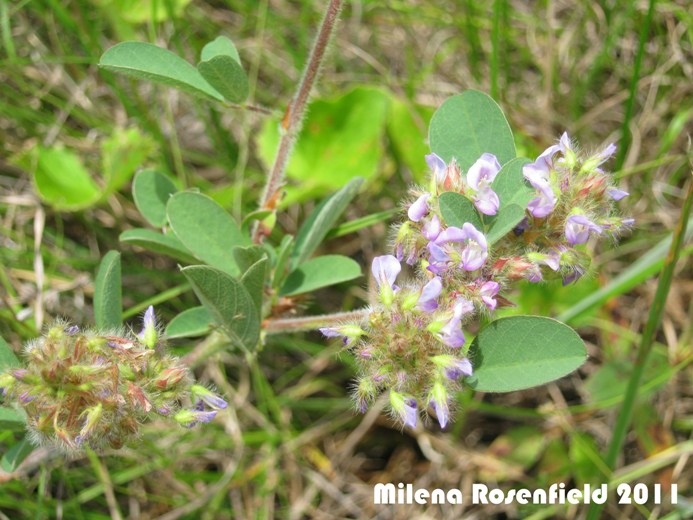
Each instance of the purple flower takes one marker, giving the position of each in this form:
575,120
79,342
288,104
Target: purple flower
419,209
578,228
593,163
437,166
404,408
542,205
451,333
148,335
457,368
487,292
349,333
617,194
209,397
442,411
20,373
564,143
475,252
410,413
431,229
576,273
190,418
385,270
72,330
438,258
538,174
479,177
429,294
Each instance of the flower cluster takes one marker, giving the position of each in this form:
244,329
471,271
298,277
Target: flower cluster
412,344
83,388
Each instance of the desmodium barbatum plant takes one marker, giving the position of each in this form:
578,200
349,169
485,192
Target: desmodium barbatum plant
486,220
412,343
83,388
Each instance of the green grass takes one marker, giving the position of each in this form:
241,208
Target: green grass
290,445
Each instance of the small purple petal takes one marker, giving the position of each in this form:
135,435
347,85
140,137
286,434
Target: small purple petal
543,205
476,251
617,194
487,201
564,143
205,416
606,153
430,292
451,234
399,252
329,332
71,331
385,270
451,334
460,367
410,413
483,171
487,292
576,273
578,228
419,209
437,166
431,229
437,253
442,412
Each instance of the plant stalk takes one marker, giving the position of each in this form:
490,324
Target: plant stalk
293,117
279,325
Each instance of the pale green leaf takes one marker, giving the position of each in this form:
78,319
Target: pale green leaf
228,301
108,306
151,190
468,125
190,323
320,272
521,352
206,229
149,62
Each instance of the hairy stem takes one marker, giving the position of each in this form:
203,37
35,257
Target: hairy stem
276,326
293,117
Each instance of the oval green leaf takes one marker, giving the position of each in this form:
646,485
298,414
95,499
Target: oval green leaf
154,241
190,323
321,220
228,301
221,66
146,61
457,209
108,298
467,125
151,190
320,272
206,229
519,352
